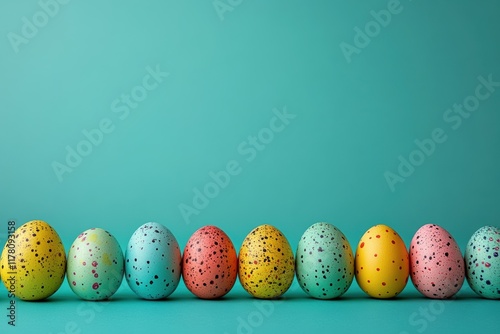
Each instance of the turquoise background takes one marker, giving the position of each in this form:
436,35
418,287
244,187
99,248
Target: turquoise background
353,121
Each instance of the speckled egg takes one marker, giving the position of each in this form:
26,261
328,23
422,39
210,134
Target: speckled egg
33,261
483,263
153,262
324,262
210,263
382,263
95,265
436,263
266,263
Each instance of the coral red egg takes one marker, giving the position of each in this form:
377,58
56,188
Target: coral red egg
209,263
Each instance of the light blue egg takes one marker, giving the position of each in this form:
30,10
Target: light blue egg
153,262
324,262
483,262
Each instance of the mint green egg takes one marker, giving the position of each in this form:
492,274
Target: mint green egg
483,262
324,262
95,265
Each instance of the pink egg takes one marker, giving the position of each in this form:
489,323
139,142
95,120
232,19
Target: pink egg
437,267
210,263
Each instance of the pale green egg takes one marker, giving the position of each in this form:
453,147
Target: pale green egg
324,262
95,265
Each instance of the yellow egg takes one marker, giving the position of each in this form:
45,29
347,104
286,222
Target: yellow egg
382,262
266,263
33,264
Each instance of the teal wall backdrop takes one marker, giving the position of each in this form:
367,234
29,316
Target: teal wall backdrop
117,113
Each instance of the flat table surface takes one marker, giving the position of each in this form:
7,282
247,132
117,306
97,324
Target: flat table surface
238,312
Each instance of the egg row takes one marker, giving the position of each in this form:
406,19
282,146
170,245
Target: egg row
34,262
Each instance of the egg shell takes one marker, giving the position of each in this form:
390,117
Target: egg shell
210,263
266,263
95,265
40,261
483,262
382,263
153,262
436,264
324,262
